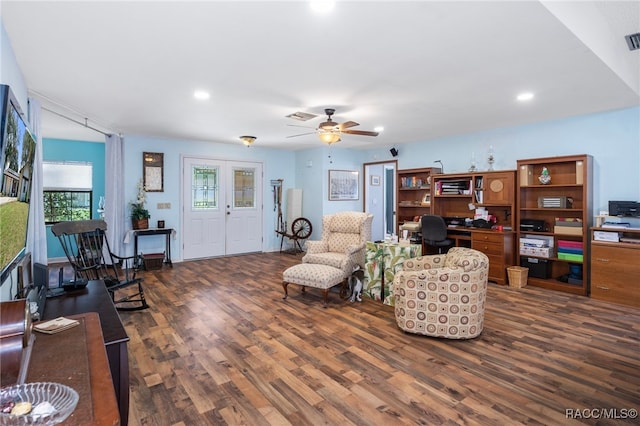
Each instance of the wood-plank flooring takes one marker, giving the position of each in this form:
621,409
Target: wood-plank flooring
219,346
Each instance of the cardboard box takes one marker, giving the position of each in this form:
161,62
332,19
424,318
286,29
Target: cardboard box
568,230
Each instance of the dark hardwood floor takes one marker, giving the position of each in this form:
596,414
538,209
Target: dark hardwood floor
219,346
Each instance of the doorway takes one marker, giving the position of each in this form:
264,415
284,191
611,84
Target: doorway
222,207
380,197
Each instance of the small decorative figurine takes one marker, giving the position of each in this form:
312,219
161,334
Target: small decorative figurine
545,177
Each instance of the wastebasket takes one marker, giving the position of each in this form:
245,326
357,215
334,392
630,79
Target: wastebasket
517,276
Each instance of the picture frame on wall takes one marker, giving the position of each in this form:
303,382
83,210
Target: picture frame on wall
375,180
343,185
153,171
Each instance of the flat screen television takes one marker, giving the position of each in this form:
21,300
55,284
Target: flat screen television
17,150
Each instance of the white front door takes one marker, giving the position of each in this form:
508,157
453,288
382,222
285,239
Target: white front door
222,208
244,207
204,208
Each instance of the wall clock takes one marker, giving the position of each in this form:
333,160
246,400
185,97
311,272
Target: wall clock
153,171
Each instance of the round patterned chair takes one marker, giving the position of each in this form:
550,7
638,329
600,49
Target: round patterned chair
442,295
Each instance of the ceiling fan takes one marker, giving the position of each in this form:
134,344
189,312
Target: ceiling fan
329,131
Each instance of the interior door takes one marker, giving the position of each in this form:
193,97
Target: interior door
204,197
244,208
380,197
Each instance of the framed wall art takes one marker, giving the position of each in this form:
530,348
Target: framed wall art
375,180
343,185
153,171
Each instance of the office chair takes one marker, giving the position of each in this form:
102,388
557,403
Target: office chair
434,232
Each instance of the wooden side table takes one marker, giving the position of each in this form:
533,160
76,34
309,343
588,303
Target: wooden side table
95,298
76,358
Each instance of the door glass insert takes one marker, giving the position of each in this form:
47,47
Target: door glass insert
244,188
205,187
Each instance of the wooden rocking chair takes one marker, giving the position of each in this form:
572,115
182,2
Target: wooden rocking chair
85,244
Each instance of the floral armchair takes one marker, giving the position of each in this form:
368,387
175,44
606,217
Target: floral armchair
442,295
343,240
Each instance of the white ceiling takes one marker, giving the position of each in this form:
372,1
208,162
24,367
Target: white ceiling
421,69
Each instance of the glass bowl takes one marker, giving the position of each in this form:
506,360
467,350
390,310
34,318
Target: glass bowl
63,399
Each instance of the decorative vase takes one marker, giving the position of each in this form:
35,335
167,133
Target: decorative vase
140,223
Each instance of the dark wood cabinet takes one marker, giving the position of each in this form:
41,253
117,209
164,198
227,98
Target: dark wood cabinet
95,298
615,270
76,358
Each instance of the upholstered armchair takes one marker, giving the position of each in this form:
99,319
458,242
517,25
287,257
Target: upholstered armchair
343,240
442,295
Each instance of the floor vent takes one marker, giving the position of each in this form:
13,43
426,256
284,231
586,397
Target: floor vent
633,41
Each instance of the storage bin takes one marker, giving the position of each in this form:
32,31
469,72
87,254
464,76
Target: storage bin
517,276
152,261
538,268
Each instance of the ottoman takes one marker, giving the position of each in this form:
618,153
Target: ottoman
313,275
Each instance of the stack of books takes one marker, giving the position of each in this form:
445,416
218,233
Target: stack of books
454,187
570,250
568,226
535,247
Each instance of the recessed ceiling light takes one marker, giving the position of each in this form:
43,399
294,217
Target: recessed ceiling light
522,97
201,95
378,129
322,6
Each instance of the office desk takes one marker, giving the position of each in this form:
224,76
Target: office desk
497,245
167,232
95,298
76,358
382,262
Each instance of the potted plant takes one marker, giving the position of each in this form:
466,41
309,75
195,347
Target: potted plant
139,214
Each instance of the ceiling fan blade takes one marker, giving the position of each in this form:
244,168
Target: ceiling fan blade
348,124
360,132
301,134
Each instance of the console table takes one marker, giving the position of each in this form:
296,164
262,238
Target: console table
382,262
167,232
95,298
76,358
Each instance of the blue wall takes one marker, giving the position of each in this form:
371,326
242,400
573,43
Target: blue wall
612,138
59,150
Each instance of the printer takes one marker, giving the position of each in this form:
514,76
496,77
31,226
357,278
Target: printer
624,208
533,225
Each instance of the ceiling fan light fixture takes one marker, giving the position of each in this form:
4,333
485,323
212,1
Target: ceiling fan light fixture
248,140
330,136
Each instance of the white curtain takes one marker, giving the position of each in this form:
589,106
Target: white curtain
115,207
36,229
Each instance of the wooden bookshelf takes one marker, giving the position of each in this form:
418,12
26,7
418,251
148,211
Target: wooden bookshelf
567,196
414,193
